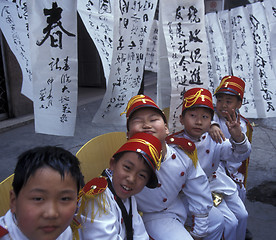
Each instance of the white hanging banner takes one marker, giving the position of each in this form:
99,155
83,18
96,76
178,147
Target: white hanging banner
264,77
132,24
151,57
210,71
270,12
218,51
15,27
184,29
243,58
98,18
163,73
224,21
53,35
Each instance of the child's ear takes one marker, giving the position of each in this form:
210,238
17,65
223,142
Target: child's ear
112,163
167,129
239,104
12,201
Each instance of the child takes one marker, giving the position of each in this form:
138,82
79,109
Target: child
164,213
197,113
107,207
44,196
229,95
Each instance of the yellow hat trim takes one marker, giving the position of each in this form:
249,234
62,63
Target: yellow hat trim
191,100
153,151
229,83
134,100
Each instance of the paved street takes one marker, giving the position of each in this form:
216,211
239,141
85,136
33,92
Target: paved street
262,167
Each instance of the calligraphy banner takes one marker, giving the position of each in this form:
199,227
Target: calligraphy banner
184,29
53,29
224,22
264,77
242,49
270,12
151,57
163,73
218,51
132,24
15,27
98,18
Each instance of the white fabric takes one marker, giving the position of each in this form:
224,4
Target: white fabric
177,174
233,204
110,225
15,233
210,153
232,167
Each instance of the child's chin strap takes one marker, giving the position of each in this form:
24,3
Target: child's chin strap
126,216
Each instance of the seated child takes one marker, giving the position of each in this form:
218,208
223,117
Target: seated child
44,196
229,96
197,113
164,213
107,208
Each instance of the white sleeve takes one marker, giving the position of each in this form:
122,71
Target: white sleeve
105,225
139,230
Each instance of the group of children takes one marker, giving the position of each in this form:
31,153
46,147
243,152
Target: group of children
187,185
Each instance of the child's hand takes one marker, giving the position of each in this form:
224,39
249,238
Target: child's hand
216,134
233,124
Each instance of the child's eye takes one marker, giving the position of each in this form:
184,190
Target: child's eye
37,199
126,167
66,198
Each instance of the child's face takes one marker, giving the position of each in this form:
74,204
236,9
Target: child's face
196,121
225,103
149,121
45,205
130,174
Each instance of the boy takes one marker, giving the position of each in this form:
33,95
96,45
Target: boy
197,113
229,95
44,196
107,208
164,213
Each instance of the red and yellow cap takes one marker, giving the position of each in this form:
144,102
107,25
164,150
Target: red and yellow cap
197,97
151,150
231,85
141,101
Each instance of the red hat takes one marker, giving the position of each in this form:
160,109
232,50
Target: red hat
151,150
231,85
141,101
197,97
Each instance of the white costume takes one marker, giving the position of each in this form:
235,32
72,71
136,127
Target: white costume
110,225
15,233
233,167
209,154
164,212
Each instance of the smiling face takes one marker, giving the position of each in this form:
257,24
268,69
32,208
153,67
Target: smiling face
45,205
149,121
227,102
196,121
130,174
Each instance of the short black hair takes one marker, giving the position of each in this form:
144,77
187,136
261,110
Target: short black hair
198,106
222,93
54,157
